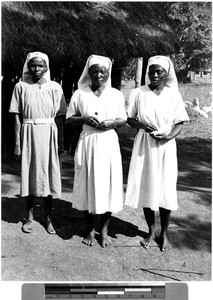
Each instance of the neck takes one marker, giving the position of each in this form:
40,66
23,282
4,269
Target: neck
96,87
157,88
35,80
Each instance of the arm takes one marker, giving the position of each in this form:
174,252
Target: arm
17,151
92,121
74,114
134,123
60,123
172,134
112,124
176,130
78,120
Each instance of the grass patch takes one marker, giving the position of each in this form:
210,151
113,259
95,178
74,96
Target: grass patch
194,143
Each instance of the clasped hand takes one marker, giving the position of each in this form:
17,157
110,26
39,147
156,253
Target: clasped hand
160,136
91,121
104,125
151,129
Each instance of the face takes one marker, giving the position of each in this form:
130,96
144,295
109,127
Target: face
37,67
157,75
98,75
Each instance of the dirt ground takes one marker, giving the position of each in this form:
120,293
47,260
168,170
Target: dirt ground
63,257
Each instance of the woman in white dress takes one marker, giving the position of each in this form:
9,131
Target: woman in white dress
158,112
98,182
38,100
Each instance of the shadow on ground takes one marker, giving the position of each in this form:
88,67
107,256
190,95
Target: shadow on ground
190,229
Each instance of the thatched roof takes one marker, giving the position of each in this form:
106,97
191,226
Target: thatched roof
71,31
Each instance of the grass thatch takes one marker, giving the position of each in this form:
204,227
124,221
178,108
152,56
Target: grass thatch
71,31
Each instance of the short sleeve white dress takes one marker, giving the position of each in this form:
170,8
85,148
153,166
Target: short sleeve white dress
153,168
98,181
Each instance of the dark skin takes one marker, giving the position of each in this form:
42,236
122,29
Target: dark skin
157,75
37,67
98,74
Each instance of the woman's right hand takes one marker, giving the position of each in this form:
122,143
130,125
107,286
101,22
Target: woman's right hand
91,121
135,123
150,128
17,152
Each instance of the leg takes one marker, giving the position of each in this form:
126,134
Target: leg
27,227
150,220
105,219
89,219
164,218
48,212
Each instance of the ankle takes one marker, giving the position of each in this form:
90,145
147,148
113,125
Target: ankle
48,220
151,231
29,220
164,234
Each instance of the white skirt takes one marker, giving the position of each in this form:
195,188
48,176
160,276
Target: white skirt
98,182
152,174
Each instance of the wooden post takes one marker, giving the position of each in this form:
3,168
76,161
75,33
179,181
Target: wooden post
138,75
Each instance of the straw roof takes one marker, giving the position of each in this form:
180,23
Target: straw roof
71,31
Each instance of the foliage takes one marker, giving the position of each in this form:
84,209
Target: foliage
192,22
129,70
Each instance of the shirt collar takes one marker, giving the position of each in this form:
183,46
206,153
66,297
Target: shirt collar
99,91
41,81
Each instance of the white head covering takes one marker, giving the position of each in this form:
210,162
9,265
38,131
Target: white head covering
85,79
26,74
166,63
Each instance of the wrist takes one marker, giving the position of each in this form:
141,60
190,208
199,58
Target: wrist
83,120
114,124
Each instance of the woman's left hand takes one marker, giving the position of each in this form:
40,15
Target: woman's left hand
160,136
167,136
107,125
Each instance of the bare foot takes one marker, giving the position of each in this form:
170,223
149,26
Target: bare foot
50,228
27,227
90,239
164,244
106,241
146,242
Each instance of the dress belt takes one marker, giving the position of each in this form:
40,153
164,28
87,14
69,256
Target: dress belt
39,121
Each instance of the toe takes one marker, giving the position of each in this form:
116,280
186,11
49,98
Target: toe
50,229
27,228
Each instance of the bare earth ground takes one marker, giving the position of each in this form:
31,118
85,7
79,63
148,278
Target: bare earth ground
63,257
39,256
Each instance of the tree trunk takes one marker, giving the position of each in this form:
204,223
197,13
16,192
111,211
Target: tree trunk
138,74
145,63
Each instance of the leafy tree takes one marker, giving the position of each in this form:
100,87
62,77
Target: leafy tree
192,23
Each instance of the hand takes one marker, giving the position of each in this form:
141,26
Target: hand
150,128
91,121
107,125
17,152
160,136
